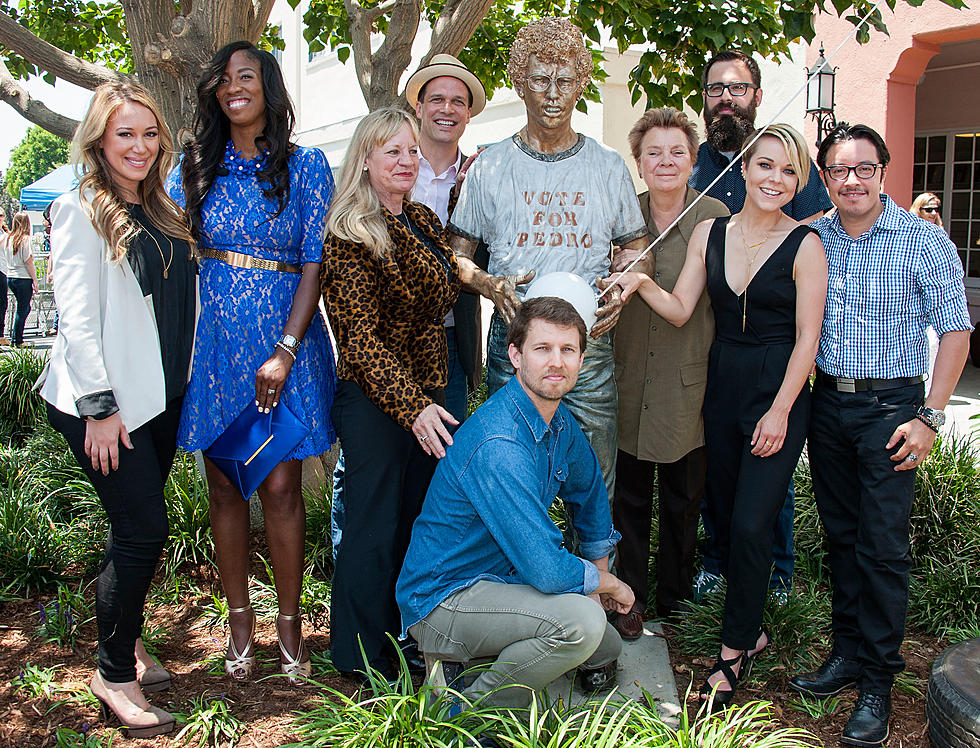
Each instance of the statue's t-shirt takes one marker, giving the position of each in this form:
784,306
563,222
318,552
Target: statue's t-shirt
549,212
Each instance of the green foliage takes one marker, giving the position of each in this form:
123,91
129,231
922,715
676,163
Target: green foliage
186,494
210,723
94,31
799,630
816,708
32,551
945,539
19,405
398,715
33,682
36,155
681,36
60,619
66,738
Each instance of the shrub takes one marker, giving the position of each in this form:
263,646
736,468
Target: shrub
945,537
186,494
32,548
19,404
60,619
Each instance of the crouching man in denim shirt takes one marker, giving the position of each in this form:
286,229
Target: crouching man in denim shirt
486,575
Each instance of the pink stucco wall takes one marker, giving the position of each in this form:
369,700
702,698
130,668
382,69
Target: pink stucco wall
876,82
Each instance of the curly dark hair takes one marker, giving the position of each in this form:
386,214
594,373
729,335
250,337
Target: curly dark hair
204,154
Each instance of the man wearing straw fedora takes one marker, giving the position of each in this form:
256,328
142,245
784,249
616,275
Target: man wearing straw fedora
550,199
445,94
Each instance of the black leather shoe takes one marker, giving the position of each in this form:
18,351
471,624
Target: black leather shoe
836,674
868,725
593,680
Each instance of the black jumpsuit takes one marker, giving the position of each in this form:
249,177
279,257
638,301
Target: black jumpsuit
745,371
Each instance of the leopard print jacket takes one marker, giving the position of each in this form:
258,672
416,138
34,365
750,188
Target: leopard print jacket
387,314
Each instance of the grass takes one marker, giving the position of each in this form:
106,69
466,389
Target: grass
210,723
60,619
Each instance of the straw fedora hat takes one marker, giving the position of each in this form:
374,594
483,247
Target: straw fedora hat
439,66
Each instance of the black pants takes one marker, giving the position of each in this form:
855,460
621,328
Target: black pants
386,475
748,491
23,290
680,487
132,497
864,505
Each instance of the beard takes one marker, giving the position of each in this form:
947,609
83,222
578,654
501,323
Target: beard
727,132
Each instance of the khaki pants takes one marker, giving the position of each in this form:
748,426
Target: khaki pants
535,637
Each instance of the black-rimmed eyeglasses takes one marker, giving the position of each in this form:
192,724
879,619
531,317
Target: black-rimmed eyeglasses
714,90
840,173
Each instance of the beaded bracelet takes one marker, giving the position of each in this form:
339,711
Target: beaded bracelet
286,348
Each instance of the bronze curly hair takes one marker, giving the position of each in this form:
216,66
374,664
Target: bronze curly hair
551,40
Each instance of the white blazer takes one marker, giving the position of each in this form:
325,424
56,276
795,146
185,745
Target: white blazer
107,332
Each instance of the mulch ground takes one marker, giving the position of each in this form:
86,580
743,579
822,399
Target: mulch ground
267,705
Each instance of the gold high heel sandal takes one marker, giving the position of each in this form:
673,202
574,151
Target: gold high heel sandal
296,671
240,665
136,721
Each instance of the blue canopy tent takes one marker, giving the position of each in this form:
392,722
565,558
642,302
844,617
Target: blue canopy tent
37,195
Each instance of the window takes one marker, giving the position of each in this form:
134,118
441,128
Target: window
949,165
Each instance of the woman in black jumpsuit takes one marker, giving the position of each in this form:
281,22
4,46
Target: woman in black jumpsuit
757,404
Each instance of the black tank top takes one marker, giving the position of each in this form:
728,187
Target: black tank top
769,303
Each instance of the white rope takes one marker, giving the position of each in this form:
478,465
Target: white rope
744,149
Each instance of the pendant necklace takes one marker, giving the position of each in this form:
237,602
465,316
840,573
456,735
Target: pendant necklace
751,260
167,262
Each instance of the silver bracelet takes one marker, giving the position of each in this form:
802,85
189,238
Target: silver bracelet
286,348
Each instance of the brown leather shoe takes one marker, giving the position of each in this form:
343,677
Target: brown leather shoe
629,625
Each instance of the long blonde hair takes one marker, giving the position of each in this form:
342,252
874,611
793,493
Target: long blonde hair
106,209
20,229
355,213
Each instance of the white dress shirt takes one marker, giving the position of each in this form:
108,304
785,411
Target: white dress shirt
433,191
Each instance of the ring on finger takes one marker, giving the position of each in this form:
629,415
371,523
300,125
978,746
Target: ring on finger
912,457
271,391
423,439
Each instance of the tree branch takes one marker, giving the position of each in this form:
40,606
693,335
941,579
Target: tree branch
262,10
373,14
360,35
33,110
455,25
52,59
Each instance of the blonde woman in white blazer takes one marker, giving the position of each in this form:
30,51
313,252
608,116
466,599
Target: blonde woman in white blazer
124,285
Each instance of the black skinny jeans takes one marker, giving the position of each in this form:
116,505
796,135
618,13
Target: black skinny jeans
132,497
23,290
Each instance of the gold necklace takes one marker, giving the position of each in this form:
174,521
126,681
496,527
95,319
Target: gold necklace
748,271
166,262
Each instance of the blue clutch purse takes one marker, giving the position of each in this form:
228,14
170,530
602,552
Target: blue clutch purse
254,443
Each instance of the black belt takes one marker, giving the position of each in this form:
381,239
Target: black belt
846,384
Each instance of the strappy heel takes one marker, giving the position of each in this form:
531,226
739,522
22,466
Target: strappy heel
715,697
240,665
721,699
296,670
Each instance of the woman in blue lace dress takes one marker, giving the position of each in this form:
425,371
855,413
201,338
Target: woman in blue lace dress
256,203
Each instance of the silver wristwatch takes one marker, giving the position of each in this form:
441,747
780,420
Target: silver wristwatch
290,341
931,417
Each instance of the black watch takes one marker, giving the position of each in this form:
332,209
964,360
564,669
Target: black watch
931,417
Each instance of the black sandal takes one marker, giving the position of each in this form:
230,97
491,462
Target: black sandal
715,697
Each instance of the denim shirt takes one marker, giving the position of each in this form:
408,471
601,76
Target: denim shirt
485,516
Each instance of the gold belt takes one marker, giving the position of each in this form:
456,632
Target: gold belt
241,260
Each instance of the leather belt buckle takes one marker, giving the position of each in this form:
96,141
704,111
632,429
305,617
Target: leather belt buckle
845,384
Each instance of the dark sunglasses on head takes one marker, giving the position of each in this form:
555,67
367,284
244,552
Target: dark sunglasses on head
930,210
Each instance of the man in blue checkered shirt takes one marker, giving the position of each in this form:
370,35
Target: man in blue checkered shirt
872,423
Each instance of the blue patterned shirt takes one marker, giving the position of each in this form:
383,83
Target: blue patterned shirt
883,289
730,189
485,516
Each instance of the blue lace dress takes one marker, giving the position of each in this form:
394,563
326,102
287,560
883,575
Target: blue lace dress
244,311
